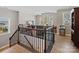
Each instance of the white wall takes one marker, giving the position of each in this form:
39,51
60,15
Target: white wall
23,17
61,19
13,16
50,18
57,19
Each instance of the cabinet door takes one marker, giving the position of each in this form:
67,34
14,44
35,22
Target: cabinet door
76,33
76,16
77,22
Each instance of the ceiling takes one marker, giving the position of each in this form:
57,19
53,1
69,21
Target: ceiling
37,9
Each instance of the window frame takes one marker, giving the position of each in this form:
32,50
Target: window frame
5,33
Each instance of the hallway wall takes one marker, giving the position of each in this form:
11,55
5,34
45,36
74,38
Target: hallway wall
57,18
46,18
13,17
23,17
60,20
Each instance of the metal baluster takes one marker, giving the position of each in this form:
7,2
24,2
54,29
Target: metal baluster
42,42
39,41
45,41
36,41
9,42
18,34
35,38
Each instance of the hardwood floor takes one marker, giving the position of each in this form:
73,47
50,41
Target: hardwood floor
63,44
15,49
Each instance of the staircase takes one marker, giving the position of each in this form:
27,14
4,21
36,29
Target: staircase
38,39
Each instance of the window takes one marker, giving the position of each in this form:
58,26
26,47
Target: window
4,25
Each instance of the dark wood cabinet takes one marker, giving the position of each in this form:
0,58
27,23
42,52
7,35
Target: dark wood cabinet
75,27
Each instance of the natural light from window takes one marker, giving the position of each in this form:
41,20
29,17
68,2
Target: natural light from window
4,25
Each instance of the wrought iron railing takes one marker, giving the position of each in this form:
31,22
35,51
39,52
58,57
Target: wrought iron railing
37,38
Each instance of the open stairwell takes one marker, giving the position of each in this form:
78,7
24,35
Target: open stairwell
34,39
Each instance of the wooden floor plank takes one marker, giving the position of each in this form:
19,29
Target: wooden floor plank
15,49
63,44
